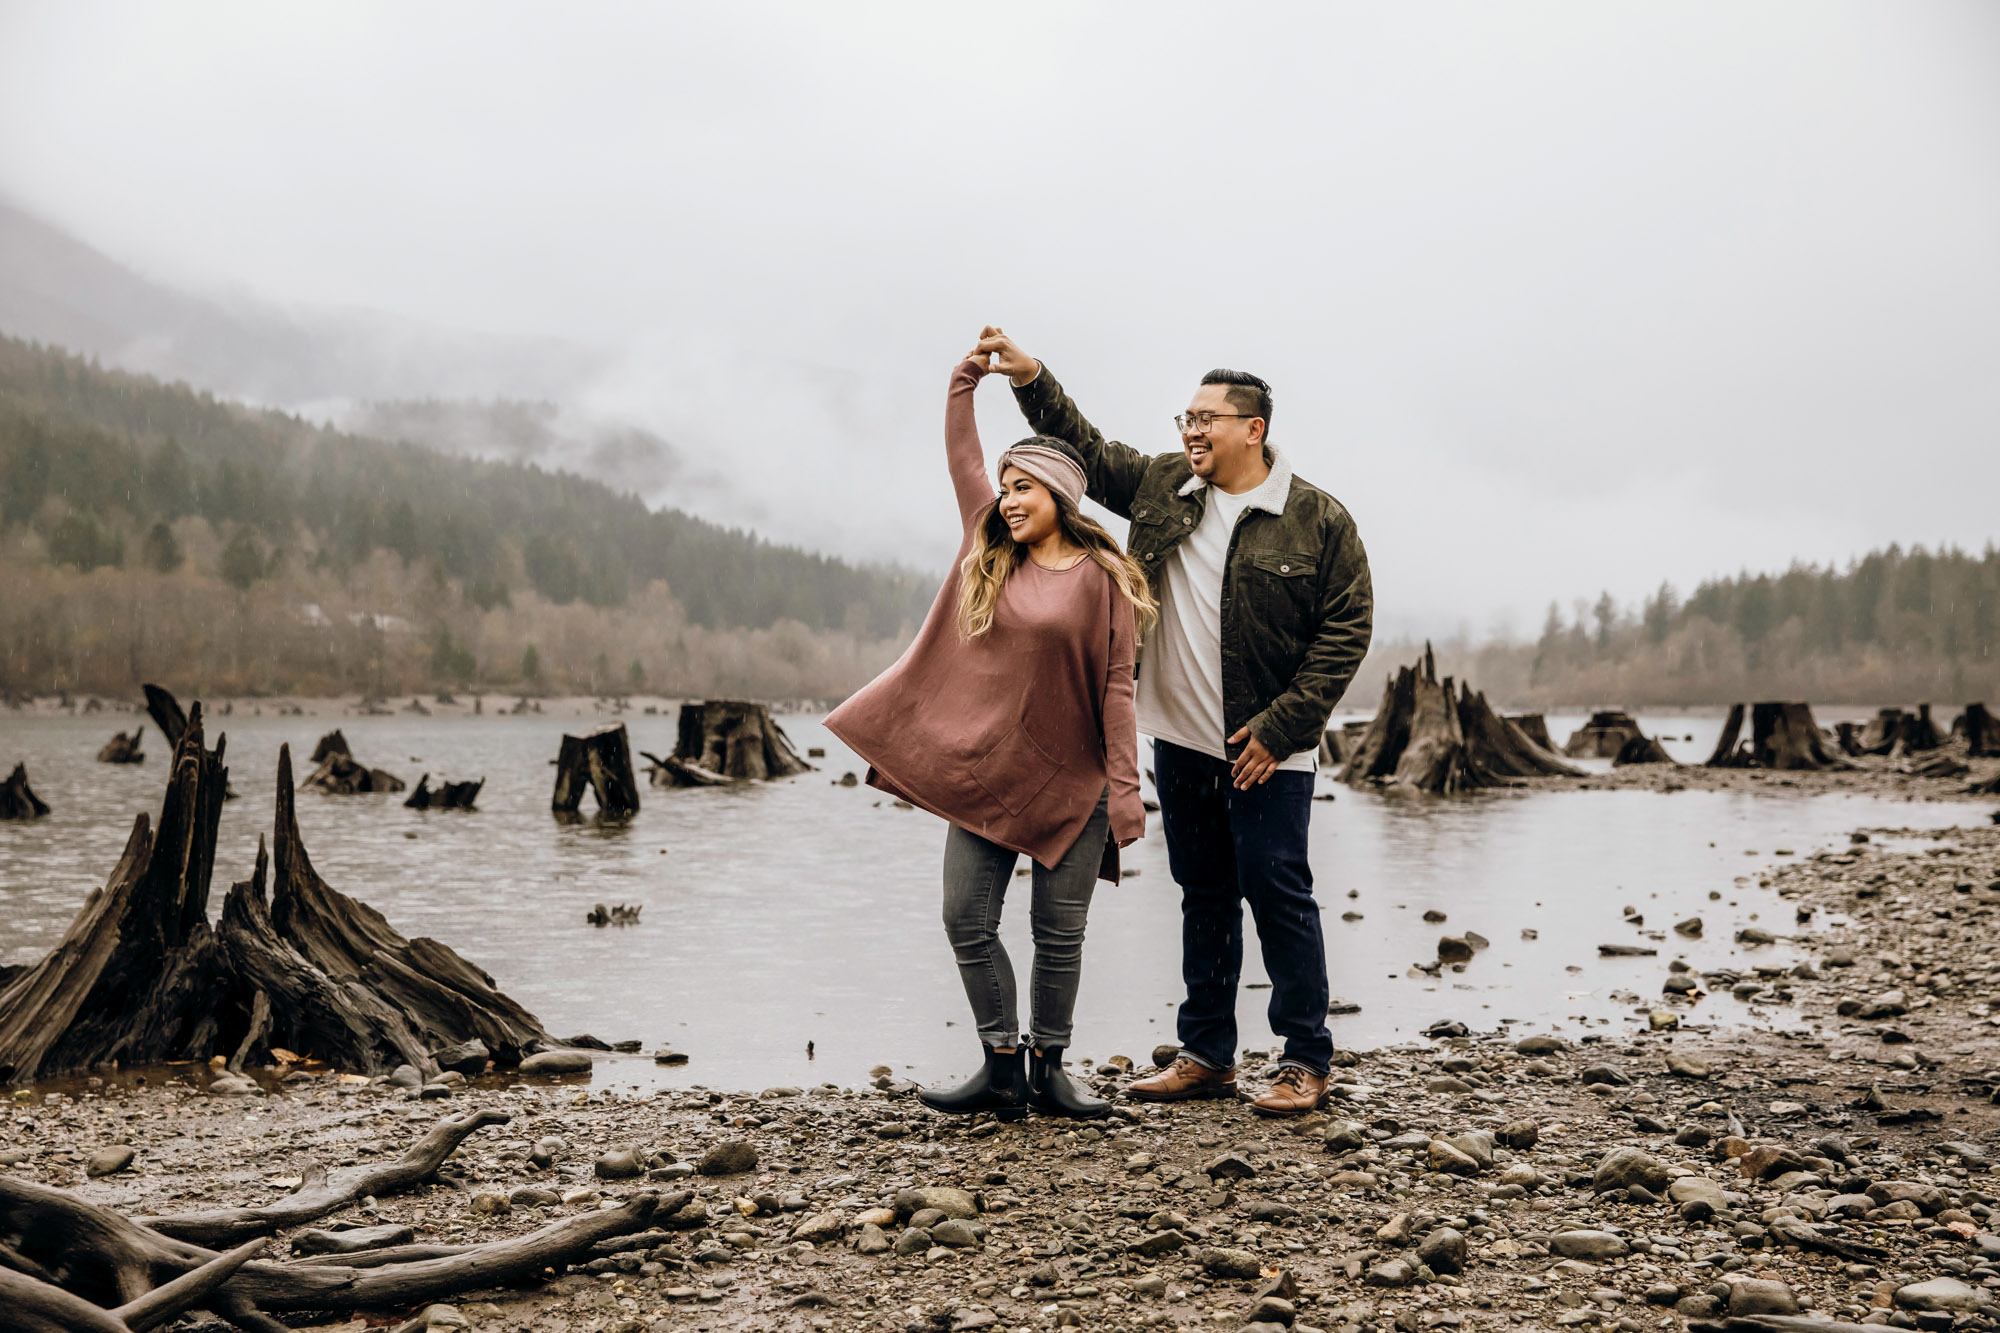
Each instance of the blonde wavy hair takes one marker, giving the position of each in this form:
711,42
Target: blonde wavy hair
995,555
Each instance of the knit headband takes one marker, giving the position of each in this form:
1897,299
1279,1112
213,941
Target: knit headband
1051,467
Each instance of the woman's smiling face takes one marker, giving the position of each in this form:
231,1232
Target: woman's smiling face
1028,507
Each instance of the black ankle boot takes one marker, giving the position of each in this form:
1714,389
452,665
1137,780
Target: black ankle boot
999,1087
1051,1092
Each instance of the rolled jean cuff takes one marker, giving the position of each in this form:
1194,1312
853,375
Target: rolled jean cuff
1301,1064
999,1038
1203,1061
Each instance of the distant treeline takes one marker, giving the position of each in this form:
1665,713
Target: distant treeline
1895,626
121,490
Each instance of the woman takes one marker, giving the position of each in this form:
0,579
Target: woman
1010,716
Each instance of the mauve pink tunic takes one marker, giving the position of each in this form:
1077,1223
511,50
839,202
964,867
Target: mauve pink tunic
1014,735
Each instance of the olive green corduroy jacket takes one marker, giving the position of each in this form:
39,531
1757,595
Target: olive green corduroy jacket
1297,605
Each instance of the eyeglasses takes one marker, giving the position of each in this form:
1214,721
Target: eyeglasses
1198,423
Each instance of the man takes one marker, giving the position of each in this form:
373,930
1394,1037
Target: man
1265,612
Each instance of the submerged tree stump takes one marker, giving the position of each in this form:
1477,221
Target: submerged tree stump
1642,750
1433,738
341,774
1782,735
123,749
601,761
1603,736
140,977
447,795
736,738
1981,732
18,799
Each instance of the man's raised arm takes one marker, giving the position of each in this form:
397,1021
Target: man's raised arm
1111,470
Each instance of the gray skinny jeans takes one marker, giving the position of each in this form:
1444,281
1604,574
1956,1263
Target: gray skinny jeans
976,876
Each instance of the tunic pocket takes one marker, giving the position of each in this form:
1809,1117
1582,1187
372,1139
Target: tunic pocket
1015,770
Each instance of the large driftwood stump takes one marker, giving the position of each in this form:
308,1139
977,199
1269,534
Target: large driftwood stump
18,799
123,748
1432,737
601,761
446,796
1894,731
1603,736
1782,735
736,738
136,977
140,977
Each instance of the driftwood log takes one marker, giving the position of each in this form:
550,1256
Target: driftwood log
1782,735
73,1267
737,739
1429,736
671,772
1602,737
18,799
600,761
446,796
166,713
123,748
1642,750
141,978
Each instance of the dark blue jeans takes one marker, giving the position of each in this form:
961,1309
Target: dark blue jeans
1226,847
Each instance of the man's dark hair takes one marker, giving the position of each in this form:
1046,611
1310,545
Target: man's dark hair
1247,394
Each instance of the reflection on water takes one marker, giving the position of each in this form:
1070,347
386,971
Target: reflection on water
778,914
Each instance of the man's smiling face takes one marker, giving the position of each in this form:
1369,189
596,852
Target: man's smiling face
1230,439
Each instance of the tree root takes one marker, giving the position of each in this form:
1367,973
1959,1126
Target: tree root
67,1266
322,1194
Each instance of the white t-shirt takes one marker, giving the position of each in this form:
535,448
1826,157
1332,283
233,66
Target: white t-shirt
1179,697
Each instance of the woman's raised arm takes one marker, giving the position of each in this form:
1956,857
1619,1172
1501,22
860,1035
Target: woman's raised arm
974,488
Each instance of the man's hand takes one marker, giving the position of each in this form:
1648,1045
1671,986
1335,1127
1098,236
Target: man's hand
1255,765
1007,356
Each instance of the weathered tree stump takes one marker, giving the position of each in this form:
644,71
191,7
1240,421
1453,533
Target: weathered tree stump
1728,752
339,773
18,799
1330,752
447,796
166,713
1918,731
1642,750
1536,728
736,738
1784,735
1981,732
1602,737
600,760
1847,738
334,742
123,749
1433,738
140,977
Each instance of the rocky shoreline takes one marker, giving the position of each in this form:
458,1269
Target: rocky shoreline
1842,1162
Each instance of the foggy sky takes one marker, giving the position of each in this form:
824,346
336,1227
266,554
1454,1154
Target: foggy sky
1555,297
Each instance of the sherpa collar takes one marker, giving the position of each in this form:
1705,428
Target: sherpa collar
1269,496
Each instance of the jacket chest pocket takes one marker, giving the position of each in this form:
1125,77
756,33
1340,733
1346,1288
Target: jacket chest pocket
1280,586
1150,537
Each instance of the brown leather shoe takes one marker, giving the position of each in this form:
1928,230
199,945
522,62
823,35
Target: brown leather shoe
1293,1092
1184,1081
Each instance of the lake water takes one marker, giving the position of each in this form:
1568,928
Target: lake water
802,911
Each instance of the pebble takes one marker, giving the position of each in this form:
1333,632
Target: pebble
1590,1246
732,1157
106,1161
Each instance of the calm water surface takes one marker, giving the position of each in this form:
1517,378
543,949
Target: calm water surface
778,914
